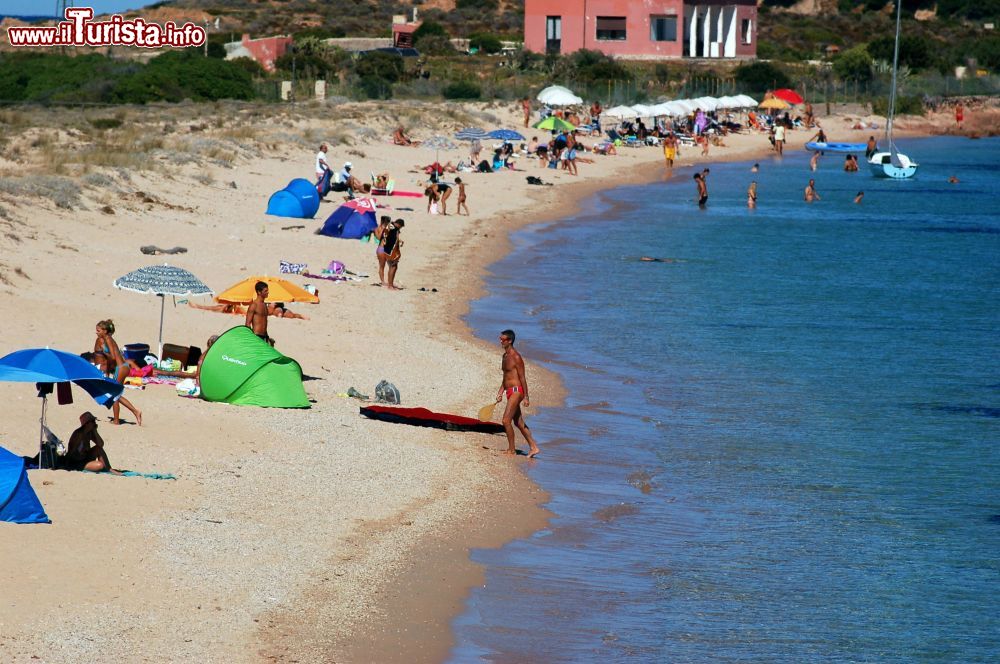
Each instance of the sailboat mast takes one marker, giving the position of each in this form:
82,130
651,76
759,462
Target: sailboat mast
895,65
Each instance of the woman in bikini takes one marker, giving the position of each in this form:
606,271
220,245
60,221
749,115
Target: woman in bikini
118,366
752,195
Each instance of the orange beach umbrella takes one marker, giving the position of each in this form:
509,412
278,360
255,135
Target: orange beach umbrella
279,290
773,103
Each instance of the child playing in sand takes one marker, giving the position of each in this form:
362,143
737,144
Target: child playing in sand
461,196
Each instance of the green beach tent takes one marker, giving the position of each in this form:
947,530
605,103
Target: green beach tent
241,369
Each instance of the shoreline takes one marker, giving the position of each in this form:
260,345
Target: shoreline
389,559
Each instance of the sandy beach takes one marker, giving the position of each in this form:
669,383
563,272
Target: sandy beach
288,535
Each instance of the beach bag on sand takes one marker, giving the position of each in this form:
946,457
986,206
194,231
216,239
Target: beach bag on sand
386,392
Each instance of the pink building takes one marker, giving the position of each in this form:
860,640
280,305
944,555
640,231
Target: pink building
643,29
266,50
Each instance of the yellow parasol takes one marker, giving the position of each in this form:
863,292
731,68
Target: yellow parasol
279,290
773,103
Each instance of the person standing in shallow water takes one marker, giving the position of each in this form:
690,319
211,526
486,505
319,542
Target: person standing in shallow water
699,179
515,386
810,194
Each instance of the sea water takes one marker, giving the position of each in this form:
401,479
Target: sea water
781,444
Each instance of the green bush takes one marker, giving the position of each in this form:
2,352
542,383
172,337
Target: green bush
435,45
105,123
760,76
428,29
179,75
461,90
591,66
914,50
380,64
905,105
375,87
485,42
853,65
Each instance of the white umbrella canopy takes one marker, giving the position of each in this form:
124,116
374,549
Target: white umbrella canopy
686,105
727,102
663,108
619,113
643,111
707,103
746,101
557,95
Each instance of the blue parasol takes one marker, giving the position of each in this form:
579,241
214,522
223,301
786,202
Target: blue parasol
44,365
506,135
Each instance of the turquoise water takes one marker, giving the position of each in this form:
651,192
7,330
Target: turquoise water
781,446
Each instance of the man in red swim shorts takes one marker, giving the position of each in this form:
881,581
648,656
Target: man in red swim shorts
515,386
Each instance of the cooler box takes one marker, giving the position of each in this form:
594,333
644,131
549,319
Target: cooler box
136,352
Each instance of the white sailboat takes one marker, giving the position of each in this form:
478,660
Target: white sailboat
891,163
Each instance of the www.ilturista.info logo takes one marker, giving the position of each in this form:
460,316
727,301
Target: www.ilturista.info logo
79,30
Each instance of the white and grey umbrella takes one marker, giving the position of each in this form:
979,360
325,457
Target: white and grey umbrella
472,134
162,280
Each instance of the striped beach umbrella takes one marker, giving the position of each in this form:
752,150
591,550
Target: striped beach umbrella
439,143
506,135
162,280
471,134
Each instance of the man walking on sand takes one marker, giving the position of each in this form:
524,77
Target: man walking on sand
779,138
526,107
515,386
257,313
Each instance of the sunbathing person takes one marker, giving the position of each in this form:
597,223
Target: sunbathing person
399,137
278,310
236,309
382,181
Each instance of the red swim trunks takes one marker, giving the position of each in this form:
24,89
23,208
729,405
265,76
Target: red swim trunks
512,390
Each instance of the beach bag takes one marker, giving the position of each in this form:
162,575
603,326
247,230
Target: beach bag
386,392
323,186
336,267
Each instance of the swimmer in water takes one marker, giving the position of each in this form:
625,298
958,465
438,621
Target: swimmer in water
861,195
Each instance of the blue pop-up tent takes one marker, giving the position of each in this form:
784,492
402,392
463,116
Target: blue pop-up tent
351,221
18,502
299,200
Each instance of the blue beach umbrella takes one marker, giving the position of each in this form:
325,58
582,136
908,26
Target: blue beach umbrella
506,135
162,280
45,365
351,221
472,134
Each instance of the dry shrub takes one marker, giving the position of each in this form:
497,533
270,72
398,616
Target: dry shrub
60,190
205,178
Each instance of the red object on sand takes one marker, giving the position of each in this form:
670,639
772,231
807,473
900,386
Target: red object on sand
791,96
422,417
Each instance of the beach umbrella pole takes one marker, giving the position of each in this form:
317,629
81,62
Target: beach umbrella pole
41,436
159,352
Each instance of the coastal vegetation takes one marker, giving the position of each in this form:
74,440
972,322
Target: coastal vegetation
840,53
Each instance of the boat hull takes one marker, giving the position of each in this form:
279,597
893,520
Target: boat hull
881,166
845,148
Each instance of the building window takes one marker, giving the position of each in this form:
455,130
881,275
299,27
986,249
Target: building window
747,30
663,28
611,28
553,34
